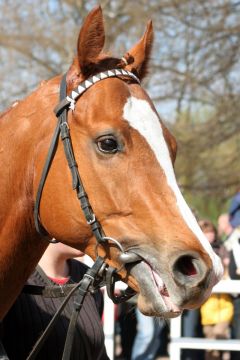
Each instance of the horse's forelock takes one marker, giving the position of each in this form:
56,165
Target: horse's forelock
104,62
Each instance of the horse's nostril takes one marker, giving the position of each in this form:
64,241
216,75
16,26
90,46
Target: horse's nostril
189,270
185,266
190,274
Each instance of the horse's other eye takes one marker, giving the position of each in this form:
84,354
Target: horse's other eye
108,145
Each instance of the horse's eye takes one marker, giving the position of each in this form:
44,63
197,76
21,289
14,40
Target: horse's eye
108,145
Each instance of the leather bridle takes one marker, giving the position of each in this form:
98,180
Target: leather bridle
100,274
62,129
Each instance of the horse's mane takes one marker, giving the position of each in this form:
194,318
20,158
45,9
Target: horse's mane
3,113
103,63
106,62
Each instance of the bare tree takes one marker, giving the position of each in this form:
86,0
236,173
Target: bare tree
194,72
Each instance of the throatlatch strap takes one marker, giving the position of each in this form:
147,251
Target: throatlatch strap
50,156
51,152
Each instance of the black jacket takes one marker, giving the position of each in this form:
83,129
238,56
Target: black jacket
30,315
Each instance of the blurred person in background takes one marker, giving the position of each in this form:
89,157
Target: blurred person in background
191,327
229,224
217,311
234,210
30,314
224,227
234,267
125,329
148,337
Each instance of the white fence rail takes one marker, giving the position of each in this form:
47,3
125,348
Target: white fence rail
109,322
108,325
177,342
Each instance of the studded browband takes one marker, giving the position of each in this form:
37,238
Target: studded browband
70,100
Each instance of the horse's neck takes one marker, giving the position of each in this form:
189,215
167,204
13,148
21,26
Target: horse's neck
18,258
20,246
20,250
21,134
23,128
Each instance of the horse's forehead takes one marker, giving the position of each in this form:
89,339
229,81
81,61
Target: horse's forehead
114,93
105,101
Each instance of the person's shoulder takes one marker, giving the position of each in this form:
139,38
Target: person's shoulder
236,197
77,269
79,264
37,277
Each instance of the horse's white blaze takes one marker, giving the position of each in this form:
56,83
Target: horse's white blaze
141,117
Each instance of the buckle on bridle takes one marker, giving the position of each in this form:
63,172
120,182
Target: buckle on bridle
91,221
64,123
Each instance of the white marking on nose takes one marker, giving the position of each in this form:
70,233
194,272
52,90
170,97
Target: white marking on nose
141,117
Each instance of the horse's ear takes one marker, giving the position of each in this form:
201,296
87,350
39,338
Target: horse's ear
140,53
91,39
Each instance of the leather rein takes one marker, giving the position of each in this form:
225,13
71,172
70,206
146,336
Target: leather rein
101,273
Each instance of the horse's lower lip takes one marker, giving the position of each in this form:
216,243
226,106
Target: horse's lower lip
157,300
162,289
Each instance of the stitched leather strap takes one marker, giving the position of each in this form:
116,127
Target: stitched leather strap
63,129
61,111
50,291
50,156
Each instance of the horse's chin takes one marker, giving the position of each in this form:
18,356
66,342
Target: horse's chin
153,299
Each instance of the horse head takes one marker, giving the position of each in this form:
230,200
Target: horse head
125,157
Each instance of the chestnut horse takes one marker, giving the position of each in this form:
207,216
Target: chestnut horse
125,156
